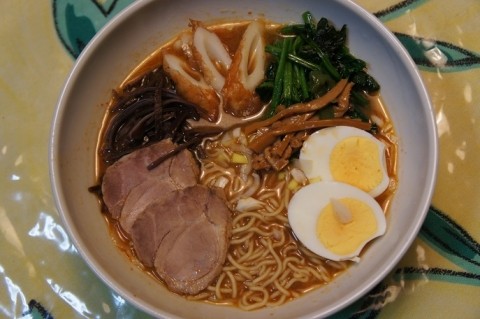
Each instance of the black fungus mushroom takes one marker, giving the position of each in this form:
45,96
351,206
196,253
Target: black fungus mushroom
147,111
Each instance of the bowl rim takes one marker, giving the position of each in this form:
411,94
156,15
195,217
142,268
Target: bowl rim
132,9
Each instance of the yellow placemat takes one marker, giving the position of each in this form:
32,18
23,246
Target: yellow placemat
41,273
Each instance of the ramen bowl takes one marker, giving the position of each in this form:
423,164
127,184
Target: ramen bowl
144,26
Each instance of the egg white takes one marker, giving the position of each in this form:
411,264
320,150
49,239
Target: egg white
315,154
306,205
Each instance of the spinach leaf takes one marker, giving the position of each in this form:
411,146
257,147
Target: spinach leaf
308,60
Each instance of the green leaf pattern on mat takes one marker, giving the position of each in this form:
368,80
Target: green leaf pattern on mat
77,22
398,10
431,55
452,242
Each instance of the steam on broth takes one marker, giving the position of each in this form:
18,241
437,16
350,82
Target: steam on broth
237,148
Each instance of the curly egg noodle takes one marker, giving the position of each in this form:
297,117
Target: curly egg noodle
265,266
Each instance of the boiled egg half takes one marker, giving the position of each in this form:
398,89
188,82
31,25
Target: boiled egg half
335,220
345,154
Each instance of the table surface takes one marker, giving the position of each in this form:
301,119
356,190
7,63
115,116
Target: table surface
42,274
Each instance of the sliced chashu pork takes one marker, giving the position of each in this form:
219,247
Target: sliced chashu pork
142,195
185,237
130,171
176,225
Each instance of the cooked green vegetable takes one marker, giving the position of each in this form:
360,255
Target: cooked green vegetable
308,60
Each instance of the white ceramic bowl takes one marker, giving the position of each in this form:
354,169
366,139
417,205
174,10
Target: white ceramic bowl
145,25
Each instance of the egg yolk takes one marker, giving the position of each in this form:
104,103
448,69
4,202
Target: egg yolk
356,161
345,239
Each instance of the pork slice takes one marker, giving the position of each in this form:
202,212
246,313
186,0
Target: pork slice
131,170
184,170
189,260
185,237
158,220
142,195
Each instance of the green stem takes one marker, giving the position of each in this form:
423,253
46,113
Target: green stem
299,74
278,87
292,57
288,84
302,81
304,63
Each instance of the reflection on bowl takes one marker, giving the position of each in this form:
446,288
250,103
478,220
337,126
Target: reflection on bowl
107,61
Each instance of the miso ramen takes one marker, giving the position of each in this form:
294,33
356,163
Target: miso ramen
204,145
